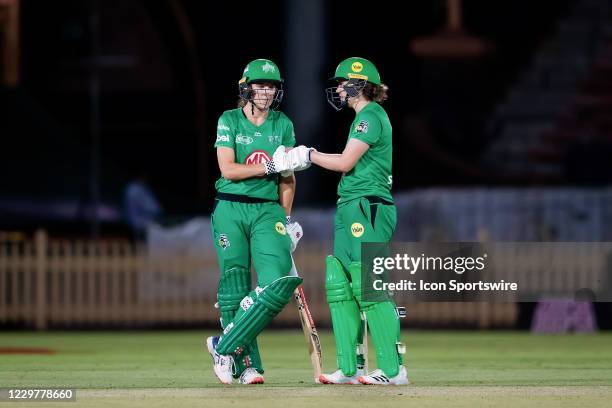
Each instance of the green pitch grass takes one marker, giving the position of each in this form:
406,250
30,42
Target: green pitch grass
466,369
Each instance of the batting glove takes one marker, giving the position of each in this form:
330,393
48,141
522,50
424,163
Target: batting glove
299,158
294,229
279,162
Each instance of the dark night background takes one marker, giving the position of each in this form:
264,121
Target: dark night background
113,89
167,69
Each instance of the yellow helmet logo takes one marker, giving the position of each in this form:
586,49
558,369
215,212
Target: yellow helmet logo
357,66
280,228
357,230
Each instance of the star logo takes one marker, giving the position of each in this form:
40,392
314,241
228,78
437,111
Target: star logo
267,67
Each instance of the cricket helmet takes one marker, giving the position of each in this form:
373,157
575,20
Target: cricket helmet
357,71
261,71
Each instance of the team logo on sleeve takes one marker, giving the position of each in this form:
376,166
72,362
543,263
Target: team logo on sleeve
362,127
357,230
280,228
257,157
223,241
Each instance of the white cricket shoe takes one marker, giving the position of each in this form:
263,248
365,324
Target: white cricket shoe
377,377
222,365
251,376
338,377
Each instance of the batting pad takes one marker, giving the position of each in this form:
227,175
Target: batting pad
344,311
355,272
385,330
255,314
233,287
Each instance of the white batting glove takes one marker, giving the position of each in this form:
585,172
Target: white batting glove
299,158
279,162
294,229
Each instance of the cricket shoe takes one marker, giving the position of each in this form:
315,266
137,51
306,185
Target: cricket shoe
251,376
222,365
377,377
338,377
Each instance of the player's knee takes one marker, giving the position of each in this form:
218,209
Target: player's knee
337,286
234,285
275,296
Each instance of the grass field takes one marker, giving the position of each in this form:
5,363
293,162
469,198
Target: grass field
465,369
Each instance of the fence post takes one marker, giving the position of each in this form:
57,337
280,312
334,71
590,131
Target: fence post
40,238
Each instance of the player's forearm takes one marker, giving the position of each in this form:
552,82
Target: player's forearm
237,171
333,162
286,192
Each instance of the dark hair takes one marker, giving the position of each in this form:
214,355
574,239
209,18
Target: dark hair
377,93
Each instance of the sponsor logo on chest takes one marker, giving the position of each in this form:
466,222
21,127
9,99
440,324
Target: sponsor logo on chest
257,157
245,140
274,139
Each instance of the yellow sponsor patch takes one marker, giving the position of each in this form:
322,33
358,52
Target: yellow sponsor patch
357,230
280,228
357,66
358,76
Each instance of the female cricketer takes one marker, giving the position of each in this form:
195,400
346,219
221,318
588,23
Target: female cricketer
365,213
250,221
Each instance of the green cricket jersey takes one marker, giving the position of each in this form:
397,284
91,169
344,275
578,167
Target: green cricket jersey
253,144
371,176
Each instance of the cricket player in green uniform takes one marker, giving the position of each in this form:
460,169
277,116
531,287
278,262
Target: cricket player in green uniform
250,221
365,213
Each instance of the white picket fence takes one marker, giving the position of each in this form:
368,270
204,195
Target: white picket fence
59,283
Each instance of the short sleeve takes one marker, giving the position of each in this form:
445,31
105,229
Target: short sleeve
289,134
225,133
368,129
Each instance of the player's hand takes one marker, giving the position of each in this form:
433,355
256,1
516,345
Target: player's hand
294,229
299,158
279,162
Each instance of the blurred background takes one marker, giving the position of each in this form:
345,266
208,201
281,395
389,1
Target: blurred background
502,132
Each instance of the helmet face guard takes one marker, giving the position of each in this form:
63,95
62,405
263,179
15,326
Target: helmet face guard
248,94
352,87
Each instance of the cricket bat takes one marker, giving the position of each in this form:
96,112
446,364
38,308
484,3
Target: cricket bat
308,326
364,321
